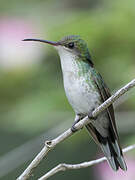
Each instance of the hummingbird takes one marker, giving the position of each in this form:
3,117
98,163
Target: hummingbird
86,90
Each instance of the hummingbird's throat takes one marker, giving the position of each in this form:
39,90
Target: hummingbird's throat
72,64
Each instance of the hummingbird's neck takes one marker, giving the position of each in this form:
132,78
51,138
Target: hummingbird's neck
72,64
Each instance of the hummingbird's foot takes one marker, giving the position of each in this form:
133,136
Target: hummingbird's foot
77,119
91,116
73,129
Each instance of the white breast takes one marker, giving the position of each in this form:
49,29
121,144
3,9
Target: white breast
81,96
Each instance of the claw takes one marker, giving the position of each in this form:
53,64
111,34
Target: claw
73,129
91,116
77,119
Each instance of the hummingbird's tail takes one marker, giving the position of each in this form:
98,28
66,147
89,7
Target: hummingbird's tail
113,154
110,148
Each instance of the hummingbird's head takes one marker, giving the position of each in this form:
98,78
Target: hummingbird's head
72,45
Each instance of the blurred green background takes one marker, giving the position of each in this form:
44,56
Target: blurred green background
33,105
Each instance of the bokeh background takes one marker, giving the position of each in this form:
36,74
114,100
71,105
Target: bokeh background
33,105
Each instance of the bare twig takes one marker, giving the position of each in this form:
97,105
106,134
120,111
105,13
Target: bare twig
64,167
51,144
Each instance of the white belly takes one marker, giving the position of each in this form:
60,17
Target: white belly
81,96
84,100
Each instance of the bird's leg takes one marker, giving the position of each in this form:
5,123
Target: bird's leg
91,116
77,119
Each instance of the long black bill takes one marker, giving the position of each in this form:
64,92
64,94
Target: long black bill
44,41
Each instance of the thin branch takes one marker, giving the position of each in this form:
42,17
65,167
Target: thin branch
64,167
51,144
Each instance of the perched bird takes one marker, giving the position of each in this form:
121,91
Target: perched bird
86,90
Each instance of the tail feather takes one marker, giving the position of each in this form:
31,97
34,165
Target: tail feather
116,148
122,163
111,160
110,148
113,155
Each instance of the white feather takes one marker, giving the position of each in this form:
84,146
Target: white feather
82,98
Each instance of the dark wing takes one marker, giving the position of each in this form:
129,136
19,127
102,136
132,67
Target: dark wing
105,94
110,145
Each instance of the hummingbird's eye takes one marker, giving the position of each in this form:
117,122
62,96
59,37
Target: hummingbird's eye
70,45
